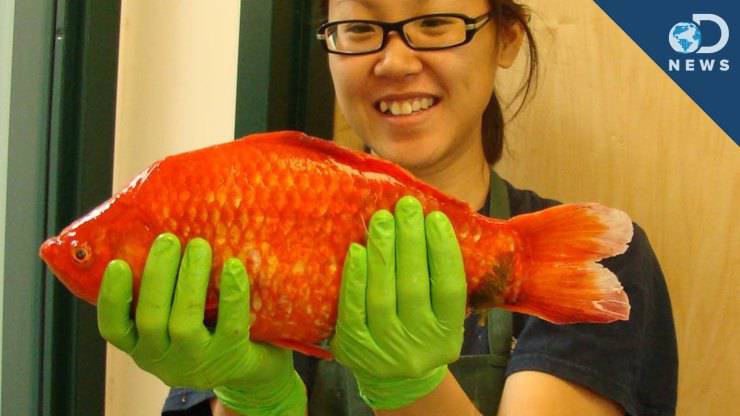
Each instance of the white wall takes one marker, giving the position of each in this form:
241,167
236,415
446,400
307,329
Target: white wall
7,12
176,92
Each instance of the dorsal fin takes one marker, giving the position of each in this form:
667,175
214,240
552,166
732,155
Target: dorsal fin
358,160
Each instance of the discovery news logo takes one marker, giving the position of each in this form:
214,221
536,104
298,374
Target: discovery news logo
686,38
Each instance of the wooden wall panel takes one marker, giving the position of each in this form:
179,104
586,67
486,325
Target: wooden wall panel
608,125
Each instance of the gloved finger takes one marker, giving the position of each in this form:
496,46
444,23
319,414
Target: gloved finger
155,295
352,313
114,306
447,271
381,274
412,277
233,304
188,309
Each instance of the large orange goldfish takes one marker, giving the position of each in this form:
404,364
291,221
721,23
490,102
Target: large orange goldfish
289,206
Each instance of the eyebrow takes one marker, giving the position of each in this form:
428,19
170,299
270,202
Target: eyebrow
340,2
366,3
372,5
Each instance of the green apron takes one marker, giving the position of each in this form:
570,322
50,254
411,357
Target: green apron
480,376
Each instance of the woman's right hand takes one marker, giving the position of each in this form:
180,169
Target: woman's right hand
167,338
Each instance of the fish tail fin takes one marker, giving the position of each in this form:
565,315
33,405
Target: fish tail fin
561,280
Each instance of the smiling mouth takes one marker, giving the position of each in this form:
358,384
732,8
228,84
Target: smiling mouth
406,107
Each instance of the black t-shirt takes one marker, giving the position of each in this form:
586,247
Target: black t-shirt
634,363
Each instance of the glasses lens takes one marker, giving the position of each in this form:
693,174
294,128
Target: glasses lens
435,31
354,37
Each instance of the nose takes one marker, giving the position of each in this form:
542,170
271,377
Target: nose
397,60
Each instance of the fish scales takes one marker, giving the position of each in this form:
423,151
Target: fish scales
286,242
289,206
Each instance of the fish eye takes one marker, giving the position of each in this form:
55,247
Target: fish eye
81,253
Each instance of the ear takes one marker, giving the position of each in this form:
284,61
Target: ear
511,38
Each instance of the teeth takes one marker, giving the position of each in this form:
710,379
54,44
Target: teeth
399,108
395,108
407,108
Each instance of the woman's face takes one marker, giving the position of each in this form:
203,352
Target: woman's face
458,82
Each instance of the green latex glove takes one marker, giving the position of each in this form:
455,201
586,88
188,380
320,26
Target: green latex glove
169,339
401,306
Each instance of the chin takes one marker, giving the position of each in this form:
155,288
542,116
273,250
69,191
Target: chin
411,160
416,151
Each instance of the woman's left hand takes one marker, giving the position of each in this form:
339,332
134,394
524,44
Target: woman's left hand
401,306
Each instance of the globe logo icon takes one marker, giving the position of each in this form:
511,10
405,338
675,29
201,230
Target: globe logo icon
685,37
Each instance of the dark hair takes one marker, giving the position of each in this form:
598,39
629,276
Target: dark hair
504,14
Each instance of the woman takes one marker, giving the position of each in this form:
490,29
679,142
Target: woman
419,92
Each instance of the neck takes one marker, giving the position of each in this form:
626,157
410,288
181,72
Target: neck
466,178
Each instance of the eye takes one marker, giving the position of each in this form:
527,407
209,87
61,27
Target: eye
81,253
436,22
358,28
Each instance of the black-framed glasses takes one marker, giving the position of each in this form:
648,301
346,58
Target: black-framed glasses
422,33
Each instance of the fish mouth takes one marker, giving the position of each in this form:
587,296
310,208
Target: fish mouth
48,252
48,248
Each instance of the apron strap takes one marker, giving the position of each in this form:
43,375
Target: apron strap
499,198
499,320
499,336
